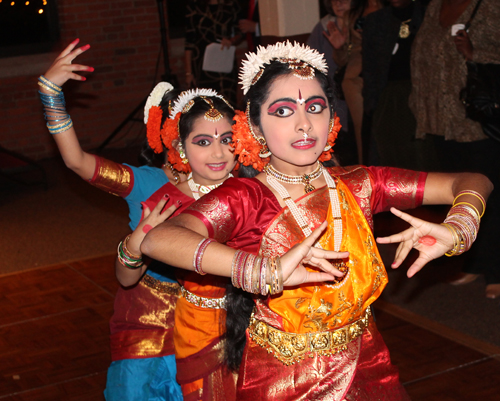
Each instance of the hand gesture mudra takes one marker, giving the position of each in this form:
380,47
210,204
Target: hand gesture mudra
151,218
294,261
335,36
62,68
430,239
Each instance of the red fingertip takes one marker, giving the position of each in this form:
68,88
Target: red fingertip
179,203
75,41
83,79
91,69
86,47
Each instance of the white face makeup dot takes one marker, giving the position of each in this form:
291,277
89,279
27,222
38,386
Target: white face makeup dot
300,100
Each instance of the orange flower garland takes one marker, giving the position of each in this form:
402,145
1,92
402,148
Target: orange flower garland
332,136
153,129
245,145
169,134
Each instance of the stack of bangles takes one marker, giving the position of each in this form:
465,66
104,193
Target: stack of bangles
127,258
463,222
250,272
58,120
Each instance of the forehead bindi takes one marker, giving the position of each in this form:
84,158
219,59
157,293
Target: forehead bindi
291,87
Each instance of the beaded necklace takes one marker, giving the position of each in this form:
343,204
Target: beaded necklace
296,179
299,216
198,189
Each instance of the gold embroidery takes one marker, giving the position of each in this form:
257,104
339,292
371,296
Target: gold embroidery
218,214
112,177
402,188
161,286
290,348
315,317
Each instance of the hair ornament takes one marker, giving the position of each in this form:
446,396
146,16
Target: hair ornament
155,97
153,129
188,96
188,106
212,115
300,58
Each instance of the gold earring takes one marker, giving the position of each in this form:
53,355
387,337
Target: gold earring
264,152
330,128
182,154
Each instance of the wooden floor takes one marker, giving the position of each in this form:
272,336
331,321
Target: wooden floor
54,341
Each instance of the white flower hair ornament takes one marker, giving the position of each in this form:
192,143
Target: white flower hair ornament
300,58
186,100
155,97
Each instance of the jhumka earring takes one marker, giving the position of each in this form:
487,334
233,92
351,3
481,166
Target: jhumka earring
182,154
264,152
330,128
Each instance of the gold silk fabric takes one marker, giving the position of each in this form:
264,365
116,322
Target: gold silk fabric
112,177
326,306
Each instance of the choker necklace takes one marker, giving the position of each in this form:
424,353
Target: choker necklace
199,190
304,179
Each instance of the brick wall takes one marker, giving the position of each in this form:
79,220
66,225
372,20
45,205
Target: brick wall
125,43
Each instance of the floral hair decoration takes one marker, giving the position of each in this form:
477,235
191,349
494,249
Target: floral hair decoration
302,60
168,135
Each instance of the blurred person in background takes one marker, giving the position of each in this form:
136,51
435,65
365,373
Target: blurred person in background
389,124
439,72
318,40
346,36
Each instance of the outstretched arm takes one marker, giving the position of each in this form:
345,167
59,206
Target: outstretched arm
59,73
175,242
434,240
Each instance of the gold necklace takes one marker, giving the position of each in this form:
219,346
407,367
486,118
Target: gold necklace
404,29
304,179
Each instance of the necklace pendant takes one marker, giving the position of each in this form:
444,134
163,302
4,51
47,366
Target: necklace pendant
308,187
404,30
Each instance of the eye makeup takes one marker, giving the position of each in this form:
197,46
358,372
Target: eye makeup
287,102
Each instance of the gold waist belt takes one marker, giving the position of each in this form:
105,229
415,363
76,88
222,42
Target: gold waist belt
292,347
161,286
202,302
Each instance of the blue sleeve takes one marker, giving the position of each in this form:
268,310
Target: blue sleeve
147,180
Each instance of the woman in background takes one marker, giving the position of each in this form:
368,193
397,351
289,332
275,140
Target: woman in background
346,38
439,71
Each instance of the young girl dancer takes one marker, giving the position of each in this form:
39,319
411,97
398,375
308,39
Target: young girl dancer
311,335
199,130
143,364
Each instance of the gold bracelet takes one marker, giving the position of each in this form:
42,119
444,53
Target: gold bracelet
472,193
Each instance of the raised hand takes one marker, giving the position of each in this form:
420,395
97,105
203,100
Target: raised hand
151,218
430,239
336,37
62,68
293,262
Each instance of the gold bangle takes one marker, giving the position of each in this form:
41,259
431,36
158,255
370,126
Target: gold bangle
472,193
